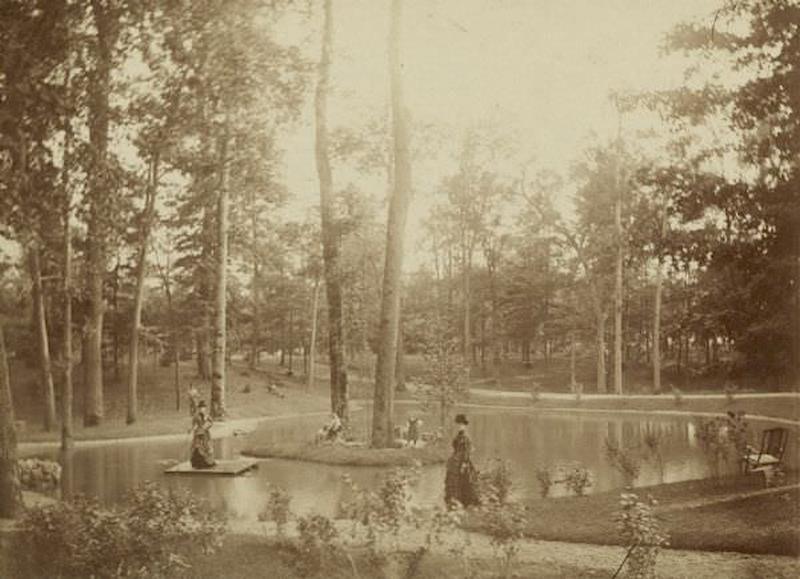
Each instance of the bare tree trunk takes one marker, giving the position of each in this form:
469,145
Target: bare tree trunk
97,194
330,235
141,262
220,318
382,429
400,366
601,351
44,342
572,348
9,482
67,387
657,330
618,296
312,353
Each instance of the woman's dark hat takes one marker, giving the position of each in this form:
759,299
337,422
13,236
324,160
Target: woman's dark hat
461,419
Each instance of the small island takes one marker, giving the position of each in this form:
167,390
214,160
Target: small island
353,454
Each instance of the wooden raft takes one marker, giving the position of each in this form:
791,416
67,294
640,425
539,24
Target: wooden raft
223,467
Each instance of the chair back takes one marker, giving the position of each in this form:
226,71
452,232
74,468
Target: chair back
773,442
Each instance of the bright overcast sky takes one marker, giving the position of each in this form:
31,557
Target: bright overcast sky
541,69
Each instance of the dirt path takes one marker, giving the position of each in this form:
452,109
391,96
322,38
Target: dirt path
600,559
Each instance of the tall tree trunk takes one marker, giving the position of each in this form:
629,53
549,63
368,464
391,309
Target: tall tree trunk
255,289
382,429
618,294
330,234
9,482
48,390
572,349
138,296
601,350
657,330
312,350
67,387
98,194
400,366
220,318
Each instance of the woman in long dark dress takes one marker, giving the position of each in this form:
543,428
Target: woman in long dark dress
202,452
461,478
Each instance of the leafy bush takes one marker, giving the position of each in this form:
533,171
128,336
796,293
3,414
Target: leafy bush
641,531
37,474
316,546
545,479
277,508
505,524
730,393
624,460
578,480
677,396
494,481
156,532
536,392
722,438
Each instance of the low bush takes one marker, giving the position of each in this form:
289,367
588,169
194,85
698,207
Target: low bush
37,474
156,532
578,480
642,533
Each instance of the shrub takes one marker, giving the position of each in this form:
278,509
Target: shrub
578,480
505,524
730,393
577,389
641,531
36,474
155,533
624,460
652,442
316,543
494,481
545,479
277,508
677,395
720,438
536,392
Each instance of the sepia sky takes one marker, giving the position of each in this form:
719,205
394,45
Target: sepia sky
540,70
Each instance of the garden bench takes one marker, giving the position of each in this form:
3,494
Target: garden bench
767,458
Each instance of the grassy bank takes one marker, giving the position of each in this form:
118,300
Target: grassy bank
247,396
764,524
353,455
782,407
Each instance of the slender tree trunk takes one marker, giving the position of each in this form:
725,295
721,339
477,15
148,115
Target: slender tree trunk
255,290
618,296
330,235
572,349
220,318
312,350
657,330
601,351
48,389
9,481
382,428
400,366
67,387
138,296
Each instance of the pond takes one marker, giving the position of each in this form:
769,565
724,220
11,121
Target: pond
528,440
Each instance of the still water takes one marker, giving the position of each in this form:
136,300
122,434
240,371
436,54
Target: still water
528,440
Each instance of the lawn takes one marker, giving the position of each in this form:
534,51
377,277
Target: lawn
766,524
245,557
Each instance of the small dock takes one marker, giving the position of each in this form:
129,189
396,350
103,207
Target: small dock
222,468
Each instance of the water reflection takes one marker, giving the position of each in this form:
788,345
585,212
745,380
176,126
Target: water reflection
528,440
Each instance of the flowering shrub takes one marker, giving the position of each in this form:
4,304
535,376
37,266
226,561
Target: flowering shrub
316,543
642,533
36,474
154,533
505,524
